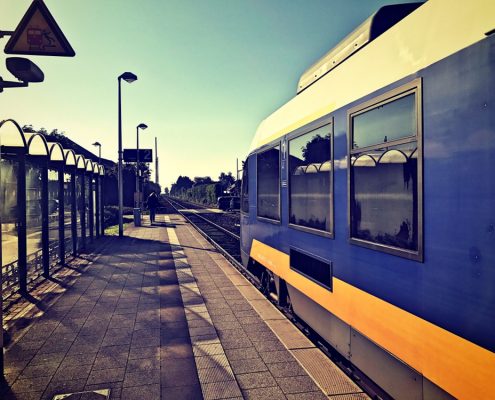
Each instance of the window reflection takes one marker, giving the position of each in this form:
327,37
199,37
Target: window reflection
310,179
384,197
385,123
8,208
268,172
384,176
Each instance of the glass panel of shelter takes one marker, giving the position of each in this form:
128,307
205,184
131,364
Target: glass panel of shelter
8,208
68,213
53,214
33,219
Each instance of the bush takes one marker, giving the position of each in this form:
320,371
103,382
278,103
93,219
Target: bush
111,214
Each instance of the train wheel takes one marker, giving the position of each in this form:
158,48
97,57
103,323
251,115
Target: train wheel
265,283
288,304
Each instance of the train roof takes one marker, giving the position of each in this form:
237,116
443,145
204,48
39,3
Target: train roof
432,32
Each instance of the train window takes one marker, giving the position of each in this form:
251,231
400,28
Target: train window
245,188
385,123
310,179
268,176
385,178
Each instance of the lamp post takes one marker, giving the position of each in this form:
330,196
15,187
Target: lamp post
129,77
98,144
138,191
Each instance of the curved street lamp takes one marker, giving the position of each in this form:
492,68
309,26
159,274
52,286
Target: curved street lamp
129,77
138,172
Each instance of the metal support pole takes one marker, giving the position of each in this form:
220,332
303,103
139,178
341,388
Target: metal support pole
121,183
73,212
137,168
97,205
156,162
82,211
61,216
45,232
102,215
21,224
91,206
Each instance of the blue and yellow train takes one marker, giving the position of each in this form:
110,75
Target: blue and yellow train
368,200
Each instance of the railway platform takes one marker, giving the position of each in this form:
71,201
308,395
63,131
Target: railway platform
160,314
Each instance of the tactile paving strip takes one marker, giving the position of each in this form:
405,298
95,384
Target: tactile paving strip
215,374
330,378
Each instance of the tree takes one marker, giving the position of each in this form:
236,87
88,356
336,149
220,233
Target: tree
202,180
182,184
226,180
317,150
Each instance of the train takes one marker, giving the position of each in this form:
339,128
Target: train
368,200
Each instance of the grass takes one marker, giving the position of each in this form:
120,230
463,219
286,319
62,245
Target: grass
113,230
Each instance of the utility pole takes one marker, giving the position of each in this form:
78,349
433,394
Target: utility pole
156,163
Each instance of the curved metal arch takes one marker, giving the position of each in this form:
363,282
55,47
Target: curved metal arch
89,165
364,160
70,158
37,148
80,162
56,152
393,156
23,142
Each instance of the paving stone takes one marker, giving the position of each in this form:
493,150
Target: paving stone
244,366
215,374
37,384
142,377
37,370
297,384
188,392
269,345
241,354
286,369
141,392
221,390
309,396
265,393
152,352
276,356
106,375
255,380
45,358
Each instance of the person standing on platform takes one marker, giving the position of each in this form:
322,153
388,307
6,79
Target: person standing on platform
152,205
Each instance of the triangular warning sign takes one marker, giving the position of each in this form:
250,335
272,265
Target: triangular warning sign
38,34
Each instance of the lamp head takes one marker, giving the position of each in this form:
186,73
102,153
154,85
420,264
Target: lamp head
24,69
142,126
129,77
97,144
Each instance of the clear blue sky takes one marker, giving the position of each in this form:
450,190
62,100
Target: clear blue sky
209,71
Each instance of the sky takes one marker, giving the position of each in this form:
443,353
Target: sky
209,71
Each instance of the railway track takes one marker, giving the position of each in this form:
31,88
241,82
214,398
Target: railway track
228,244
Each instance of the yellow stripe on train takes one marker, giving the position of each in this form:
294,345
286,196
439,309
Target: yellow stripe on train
462,368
